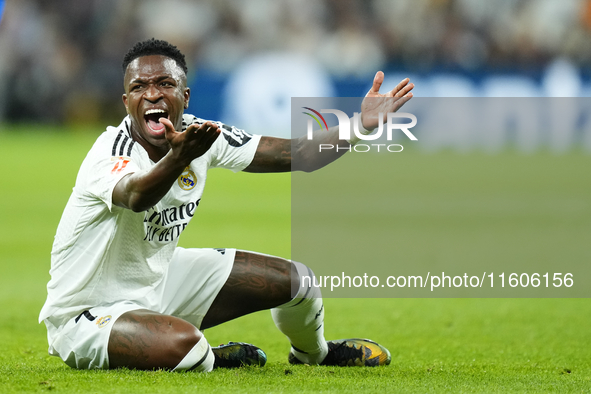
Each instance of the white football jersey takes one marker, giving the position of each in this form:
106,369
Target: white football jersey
103,253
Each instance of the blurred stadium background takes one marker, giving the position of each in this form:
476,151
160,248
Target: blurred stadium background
60,60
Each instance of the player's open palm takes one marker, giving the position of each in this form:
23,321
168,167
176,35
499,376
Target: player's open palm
194,142
375,103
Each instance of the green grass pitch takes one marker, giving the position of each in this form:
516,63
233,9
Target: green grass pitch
437,345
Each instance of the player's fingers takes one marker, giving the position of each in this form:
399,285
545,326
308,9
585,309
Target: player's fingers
213,135
204,133
405,90
377,82
192,129
197,128
204,136
210,130
402,85
402,100
168,126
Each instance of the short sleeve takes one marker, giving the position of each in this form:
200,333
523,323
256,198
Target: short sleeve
104,167
234,149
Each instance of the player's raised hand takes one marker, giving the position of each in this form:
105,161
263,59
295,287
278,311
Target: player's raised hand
375,102
194,142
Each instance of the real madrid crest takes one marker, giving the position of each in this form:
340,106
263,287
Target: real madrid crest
103,321
187,180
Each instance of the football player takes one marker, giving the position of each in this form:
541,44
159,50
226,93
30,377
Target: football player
122,294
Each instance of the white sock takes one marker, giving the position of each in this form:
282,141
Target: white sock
200,358
302,320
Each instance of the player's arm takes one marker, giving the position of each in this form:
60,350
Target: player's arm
283,155
142,190
301,154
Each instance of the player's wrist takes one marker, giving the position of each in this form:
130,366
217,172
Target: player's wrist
356,129
175,163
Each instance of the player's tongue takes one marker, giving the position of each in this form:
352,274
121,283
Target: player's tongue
155,125
153,121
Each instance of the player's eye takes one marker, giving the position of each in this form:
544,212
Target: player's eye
135,88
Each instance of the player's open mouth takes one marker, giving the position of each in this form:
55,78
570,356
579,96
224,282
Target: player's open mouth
152,118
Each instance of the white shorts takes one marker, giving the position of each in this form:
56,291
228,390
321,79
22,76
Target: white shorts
193,280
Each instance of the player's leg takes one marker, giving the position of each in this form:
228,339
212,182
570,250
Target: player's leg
126,334
259,282
302,318
142,339
236,283
297,323
256,282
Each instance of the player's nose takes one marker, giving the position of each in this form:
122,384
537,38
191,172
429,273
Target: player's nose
153,93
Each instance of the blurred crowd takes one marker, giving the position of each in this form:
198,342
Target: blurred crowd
60,59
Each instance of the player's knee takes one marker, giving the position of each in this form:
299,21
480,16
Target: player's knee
183,340
303,282
199,358
163,341
193,352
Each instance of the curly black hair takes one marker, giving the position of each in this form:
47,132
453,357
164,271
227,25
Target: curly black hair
154,47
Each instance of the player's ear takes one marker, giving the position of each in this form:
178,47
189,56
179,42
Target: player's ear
187,95
124,97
